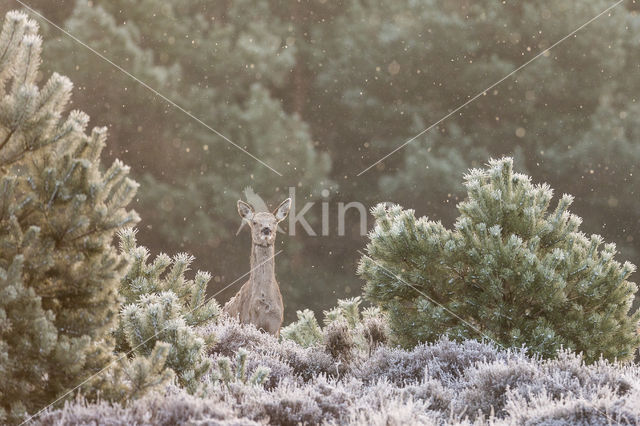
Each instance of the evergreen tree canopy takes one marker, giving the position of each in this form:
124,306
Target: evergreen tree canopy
59,271
511,270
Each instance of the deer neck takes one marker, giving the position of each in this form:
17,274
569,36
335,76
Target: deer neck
262,265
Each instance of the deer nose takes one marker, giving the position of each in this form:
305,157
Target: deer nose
266,231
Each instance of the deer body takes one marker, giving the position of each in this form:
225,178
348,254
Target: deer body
259,301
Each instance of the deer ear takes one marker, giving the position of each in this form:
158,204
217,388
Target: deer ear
283,209
245,210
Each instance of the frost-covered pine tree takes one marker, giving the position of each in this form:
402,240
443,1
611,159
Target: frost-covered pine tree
27,337
161,305
511,270
59,271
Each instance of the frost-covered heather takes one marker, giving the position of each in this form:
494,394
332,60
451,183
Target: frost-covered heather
440,383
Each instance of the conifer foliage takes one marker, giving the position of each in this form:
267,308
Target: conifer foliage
238,374
59,271
348,329
511,270
162,306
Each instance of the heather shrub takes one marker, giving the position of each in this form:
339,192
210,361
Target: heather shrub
281,357
395,411
338,341
510,270
444,361
488,386
172,407
433,393
288,405
437,383
605,408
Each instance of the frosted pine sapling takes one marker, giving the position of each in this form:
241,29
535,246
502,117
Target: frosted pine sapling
161,305
346,327
142,374
228,374
59,212
305,331
511,270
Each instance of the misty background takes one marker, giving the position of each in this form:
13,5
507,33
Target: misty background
320,90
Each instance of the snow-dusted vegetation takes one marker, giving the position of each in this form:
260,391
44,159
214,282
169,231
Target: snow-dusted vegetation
443,382
515,312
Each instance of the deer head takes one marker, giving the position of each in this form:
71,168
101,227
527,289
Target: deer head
263,224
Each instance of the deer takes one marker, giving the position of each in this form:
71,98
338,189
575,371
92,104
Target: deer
259,301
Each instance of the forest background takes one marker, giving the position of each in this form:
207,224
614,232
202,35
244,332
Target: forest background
320,90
